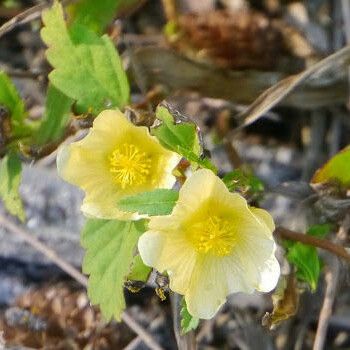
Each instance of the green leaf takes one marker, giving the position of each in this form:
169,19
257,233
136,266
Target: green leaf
10,98
110,246
320,230
238,180
87,68
188,322
96,15
157,202
306,259
179,137
139,271
336,169
56,117
10,179
176,134
307,262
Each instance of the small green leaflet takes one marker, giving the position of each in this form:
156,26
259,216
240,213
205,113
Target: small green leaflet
180,134
56,117
157,202
139,271
10,179
110,246
96,15
305,257
240,180
337,168
87,68
320,230
188,322
10,98
179,137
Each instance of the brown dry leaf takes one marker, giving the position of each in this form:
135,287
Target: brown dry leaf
66,320
323,84
285,302
154,66
315,81
230,39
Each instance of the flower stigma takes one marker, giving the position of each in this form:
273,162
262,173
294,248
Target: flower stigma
213,235
129,165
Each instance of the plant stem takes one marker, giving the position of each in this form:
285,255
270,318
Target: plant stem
313,241
332,283
188,340
170,11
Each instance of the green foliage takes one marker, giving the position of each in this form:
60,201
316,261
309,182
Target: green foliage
56,117
306,260
305,257
87,67
110,246
337,168
96,15
10,179
179,137
188,322
157,202
10,98
319,231
139,271
11,3
238,180
176,134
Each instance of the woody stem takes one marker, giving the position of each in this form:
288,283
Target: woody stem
313,241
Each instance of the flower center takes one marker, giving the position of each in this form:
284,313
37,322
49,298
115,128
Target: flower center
129,165
213,235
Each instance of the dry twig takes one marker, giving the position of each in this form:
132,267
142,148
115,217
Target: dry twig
27,16
74,273
184,341
325,244
332,279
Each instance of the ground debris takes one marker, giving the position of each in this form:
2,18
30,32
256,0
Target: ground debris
60,317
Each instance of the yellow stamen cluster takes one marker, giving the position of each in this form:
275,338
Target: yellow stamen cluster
129,165
213,235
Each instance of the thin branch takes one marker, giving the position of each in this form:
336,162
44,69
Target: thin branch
135,343
23,74
170,11
313,241
42,248
23,18
332,280
223,130
184,341
74,273
346,17
27,16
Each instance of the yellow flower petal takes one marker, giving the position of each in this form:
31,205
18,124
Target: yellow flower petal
116,159
203,186
264,217
212,245
269,274
177,258
212,280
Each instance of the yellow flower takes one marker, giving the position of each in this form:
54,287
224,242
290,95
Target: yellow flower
212,245
116,159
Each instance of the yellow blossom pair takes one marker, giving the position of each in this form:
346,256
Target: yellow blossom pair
211,245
